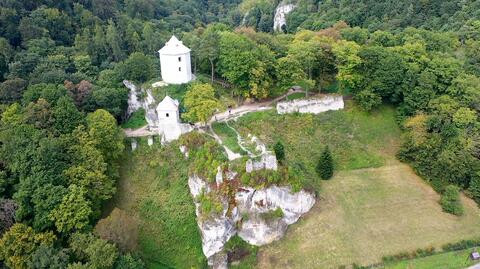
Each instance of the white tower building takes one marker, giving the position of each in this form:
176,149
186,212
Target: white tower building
175,62
167,111
169,125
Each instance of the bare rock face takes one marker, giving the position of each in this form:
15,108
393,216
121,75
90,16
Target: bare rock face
197,185
248,215
267,161
258,216
215,230
281,13
258,231
314,106
134,103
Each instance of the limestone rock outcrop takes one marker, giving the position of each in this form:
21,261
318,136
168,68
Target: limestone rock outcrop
281,12
267,161
313,105
134,102
247,218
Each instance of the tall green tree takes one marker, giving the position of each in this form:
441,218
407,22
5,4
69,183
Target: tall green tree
18,245
114,42
325,164
73,213
200,103
66,116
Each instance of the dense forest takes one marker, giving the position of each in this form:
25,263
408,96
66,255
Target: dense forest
62,64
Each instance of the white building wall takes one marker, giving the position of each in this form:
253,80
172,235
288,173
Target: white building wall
168,116
175,71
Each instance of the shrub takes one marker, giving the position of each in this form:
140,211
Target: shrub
210,203
279,151
409,255
464,244
450,200
325,165
272,215
474,188
368,100
119,228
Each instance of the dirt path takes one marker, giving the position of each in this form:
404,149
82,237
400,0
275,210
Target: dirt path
243,109
140,132
222,116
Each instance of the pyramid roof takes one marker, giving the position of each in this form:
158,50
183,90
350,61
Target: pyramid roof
168,104
174,47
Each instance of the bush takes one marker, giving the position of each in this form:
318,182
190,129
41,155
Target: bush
279,151
464,244
325,165
368,100
272,215
119,228
450,200
474,188
409,255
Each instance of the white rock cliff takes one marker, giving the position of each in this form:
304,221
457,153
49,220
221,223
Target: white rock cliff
281,13
313,105
247,218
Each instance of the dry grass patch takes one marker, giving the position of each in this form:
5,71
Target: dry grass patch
365,214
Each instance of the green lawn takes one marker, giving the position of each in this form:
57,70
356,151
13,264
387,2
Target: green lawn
449,260
153,187
136,120
363,215
228,136
357,139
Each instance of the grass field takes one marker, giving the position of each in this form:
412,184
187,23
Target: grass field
153,187
449,260
365,214
357,139
136,120
228,136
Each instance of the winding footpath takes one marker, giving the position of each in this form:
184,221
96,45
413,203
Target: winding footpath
221,116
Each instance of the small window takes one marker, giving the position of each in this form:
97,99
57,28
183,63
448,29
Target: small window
179,69
179,59
167,115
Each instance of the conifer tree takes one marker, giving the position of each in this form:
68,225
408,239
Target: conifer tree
279,151
325,164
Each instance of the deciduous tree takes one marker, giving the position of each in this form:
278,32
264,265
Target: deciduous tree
200,103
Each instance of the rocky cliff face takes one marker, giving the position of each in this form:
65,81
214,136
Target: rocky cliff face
135,103
281,13
251,216
314,105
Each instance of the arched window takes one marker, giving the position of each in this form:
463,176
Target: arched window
179,69
179,59
167,115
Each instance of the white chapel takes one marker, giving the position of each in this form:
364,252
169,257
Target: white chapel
175,62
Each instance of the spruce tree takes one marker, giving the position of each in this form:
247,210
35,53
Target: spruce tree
325,164
279,151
